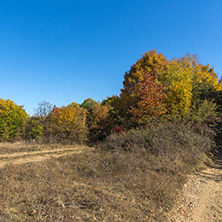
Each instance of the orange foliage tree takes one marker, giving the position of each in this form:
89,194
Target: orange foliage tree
150,97
151,62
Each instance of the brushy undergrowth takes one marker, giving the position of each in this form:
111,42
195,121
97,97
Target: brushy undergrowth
134,176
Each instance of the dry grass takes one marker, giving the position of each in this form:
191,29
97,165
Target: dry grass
124,180
22,146
20,153
66,189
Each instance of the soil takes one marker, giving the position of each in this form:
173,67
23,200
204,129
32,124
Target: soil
201,199
37,156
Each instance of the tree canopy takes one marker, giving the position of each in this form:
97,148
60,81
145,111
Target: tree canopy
12,119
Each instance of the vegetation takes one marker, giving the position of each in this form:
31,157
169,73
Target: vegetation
66,124
12,119
43,110
150,99
88,103
98,122
162,127
133,176
154,88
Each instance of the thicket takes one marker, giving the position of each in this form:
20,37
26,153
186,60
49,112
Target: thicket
156,159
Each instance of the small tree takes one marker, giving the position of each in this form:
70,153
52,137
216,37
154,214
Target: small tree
43,110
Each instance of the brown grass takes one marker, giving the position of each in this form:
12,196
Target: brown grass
22,146
123,180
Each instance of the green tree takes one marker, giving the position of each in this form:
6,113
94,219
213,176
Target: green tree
116,112
33,128
88,103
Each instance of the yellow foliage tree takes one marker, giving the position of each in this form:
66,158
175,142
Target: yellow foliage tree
67,124
178,88
12,118
187,81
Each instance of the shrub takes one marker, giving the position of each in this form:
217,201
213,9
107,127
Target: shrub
153,162
160,139
33,128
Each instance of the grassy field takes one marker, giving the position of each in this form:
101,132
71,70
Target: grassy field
80,183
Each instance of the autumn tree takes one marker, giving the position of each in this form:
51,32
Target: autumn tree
12,118
66,124
74,104
206,82
188,81
116,112
151,62
99,122
178,79
187,84
33,128
149,92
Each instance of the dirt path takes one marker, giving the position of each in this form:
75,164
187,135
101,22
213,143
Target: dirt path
37,156
201,200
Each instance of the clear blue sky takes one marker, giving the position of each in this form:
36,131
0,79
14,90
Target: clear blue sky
65,51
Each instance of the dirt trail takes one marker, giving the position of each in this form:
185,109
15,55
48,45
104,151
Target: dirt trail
35,152
201,200
37,156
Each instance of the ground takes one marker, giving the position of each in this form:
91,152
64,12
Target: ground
54,181
201,199
18,153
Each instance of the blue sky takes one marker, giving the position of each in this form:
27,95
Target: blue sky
65,51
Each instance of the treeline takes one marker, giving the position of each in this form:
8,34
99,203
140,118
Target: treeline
154,89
